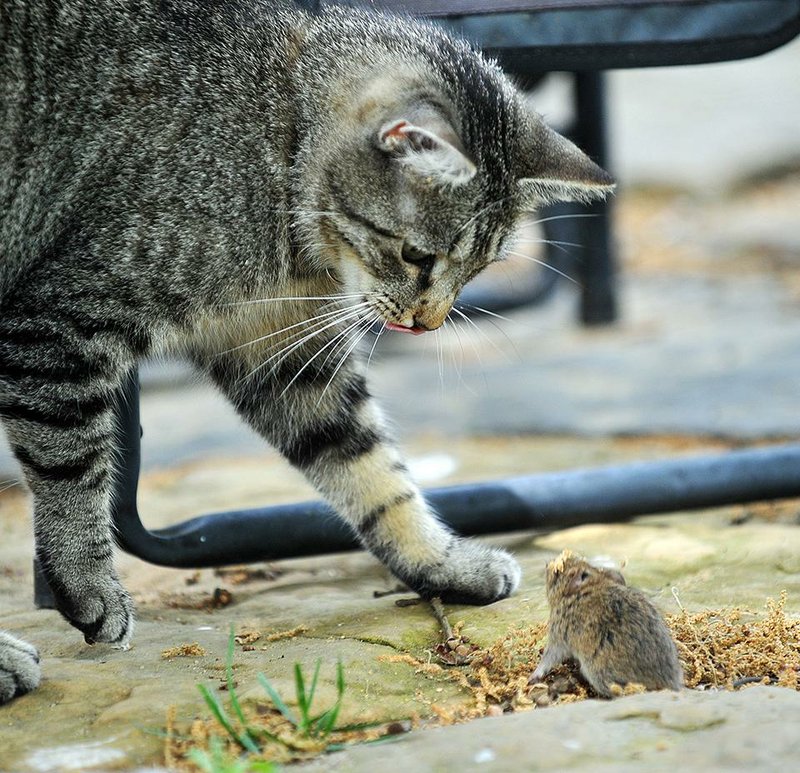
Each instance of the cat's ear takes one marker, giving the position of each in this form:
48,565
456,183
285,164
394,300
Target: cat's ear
557,170
429,148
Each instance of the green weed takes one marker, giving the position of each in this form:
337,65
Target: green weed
308,725
218,760
298,734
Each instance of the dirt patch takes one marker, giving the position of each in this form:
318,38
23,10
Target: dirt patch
218,598
720,649
193,650
732,648
290,634
240,575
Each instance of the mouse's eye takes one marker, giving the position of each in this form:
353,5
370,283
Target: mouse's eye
584,576
418,257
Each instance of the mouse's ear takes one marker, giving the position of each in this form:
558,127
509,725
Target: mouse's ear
579,579
616,576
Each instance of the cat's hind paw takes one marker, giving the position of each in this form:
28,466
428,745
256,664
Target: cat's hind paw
472,573
19,667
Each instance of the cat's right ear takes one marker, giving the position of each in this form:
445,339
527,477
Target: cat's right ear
555,169
431,151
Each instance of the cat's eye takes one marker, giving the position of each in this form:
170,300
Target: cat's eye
412,254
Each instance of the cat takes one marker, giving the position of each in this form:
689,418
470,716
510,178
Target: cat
254,187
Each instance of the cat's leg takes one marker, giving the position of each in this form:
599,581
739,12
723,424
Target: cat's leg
19,667
57,377
327,425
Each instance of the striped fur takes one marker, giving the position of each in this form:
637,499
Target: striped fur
167,171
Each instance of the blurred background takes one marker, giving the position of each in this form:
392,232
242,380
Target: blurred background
705,351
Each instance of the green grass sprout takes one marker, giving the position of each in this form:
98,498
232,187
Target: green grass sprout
247,740
276,699
308,725
307,730
217,760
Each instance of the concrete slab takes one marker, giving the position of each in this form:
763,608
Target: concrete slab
664,732
100,709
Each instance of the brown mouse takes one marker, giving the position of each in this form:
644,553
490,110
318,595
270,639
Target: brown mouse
612,630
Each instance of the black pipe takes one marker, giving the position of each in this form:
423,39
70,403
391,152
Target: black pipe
551,500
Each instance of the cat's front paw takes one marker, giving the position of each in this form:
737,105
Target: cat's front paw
19,667
472,573
102,611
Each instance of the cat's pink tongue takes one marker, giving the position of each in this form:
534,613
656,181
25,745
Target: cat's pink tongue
400,329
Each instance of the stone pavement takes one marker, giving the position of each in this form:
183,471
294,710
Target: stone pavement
100,708
717,731
704,358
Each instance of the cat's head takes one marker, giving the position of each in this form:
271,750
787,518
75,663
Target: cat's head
424,167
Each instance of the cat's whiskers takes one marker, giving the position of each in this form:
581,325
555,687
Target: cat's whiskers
366,325
481,333
292,345
357,310
303,324
440,356
375,342
311,321
458,363
344,340
501,350
485,311
554,242
337,339
570,216
320,327
494,325
336,297
7,484
475,347
545,265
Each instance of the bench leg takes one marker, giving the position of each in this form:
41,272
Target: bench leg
597,270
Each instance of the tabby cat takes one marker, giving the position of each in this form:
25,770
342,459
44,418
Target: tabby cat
253,187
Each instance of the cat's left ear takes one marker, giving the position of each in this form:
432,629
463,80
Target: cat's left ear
427,147
555,169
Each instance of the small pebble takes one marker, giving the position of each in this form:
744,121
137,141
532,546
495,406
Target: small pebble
397,728
485,755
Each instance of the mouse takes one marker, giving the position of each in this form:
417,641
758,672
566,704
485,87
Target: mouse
612,630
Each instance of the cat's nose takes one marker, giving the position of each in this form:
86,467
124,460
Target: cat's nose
429,321
431,317
421,325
